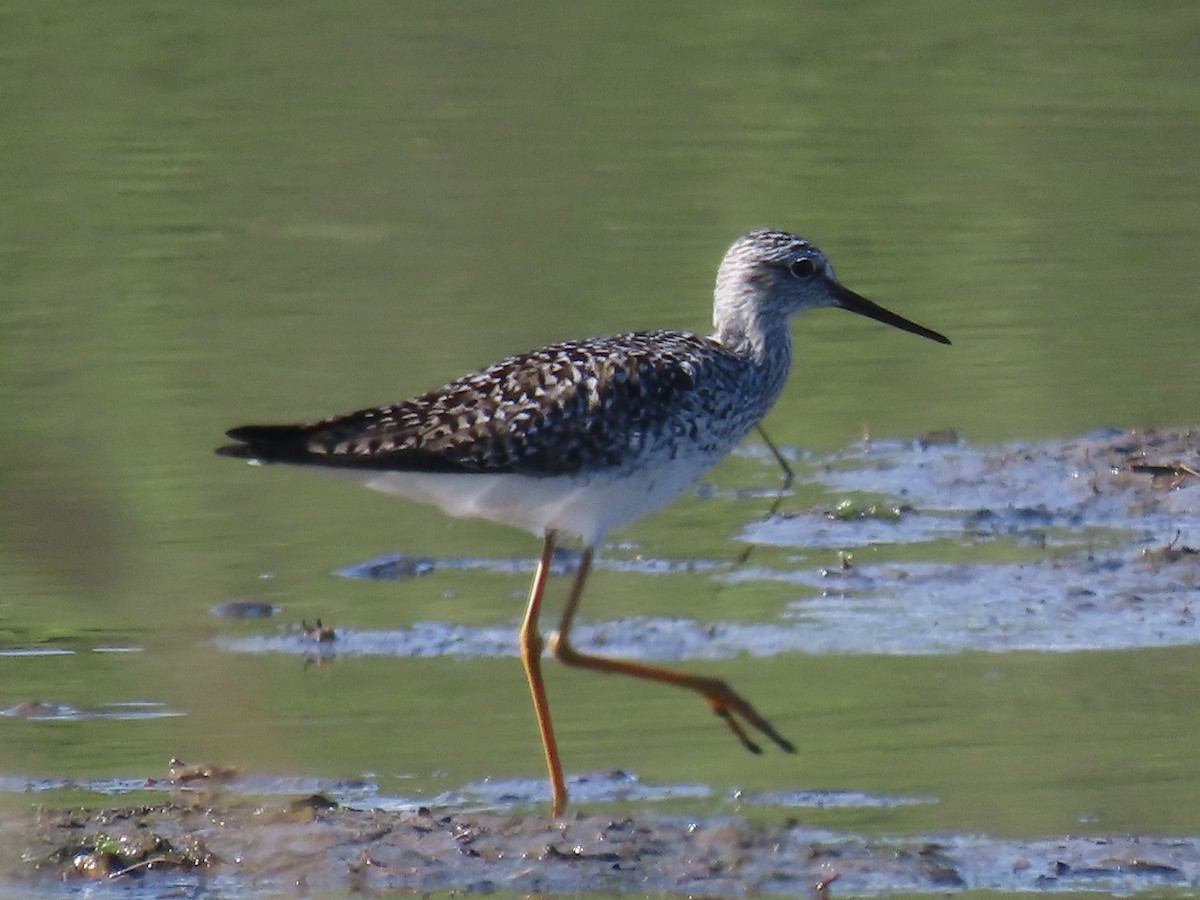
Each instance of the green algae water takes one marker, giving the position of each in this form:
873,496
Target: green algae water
222,214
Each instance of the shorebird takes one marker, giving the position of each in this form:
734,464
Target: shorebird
584,437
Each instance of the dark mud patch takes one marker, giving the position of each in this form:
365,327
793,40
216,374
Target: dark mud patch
238,848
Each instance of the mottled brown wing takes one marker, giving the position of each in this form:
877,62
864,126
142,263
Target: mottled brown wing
559,410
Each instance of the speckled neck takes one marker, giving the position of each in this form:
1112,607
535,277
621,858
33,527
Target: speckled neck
749,324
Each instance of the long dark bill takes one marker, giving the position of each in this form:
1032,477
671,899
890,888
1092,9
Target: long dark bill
847,299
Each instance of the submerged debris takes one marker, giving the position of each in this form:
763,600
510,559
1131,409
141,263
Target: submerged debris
39,709
182,774
393,567
322,634
1168,476
121,843
245,609
848,511
1170,553
939,437
64,712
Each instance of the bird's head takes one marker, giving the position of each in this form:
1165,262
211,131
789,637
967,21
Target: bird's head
767,276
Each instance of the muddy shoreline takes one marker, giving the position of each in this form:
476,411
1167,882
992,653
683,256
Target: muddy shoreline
237,848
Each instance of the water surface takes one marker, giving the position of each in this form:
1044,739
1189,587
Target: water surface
216,215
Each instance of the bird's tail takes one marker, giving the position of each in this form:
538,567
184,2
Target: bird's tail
268,443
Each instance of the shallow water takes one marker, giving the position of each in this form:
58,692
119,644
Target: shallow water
1104,579
225,215
903,680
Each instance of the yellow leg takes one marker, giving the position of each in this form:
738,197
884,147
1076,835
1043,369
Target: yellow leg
721,698
531,658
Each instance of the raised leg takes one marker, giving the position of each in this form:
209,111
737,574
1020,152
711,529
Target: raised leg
531,657
788,475
721,698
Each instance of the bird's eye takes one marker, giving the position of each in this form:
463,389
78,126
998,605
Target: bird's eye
803,267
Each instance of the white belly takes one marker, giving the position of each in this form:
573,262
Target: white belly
588,506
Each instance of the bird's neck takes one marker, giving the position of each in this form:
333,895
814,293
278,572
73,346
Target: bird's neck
752,331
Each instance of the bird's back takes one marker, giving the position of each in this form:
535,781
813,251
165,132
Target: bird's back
603,404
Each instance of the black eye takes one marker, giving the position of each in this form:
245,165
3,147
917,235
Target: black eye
803,267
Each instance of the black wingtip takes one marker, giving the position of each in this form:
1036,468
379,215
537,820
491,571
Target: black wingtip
265,434
264,443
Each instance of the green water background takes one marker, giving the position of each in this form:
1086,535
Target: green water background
219,213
